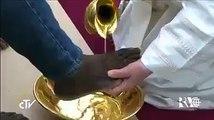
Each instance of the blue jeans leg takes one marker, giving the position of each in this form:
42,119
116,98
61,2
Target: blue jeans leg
30,28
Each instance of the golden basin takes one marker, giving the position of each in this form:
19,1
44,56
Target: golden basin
96,106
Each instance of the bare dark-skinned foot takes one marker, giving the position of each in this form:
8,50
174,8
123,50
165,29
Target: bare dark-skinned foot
92,74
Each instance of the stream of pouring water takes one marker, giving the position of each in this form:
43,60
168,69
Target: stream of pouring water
105,45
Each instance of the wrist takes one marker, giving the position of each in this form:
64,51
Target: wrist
147,71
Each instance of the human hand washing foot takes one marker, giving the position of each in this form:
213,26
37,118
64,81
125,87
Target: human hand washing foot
131,76
92,73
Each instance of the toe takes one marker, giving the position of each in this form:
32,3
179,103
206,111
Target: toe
129,52
134,56
130,58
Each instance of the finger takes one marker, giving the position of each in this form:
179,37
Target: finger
119,73
121,88
110,92
108,89
107,92
115,84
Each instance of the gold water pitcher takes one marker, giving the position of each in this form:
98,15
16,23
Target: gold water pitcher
101,16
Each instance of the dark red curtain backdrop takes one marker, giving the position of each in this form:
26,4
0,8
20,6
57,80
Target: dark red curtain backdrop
75,10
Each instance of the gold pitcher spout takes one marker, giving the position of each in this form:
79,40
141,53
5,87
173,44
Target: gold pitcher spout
101,16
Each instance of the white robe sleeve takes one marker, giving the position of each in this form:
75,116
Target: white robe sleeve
179,41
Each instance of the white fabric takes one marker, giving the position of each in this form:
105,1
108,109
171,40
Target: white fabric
181,57
130,22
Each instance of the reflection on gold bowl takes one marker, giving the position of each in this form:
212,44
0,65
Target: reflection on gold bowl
96,106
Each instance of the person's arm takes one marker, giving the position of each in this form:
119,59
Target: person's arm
179,42
182,40
31,29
